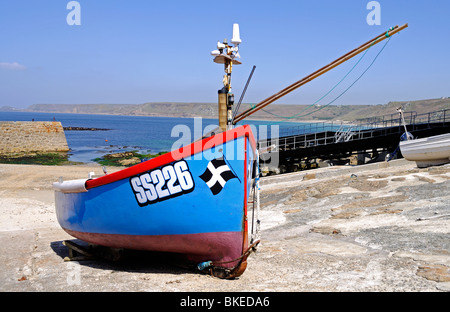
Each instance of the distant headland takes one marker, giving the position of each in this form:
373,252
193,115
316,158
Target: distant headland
288,112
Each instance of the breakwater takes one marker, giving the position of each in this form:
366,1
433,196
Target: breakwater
32,136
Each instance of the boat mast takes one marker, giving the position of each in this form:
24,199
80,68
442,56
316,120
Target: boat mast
323,70
226,54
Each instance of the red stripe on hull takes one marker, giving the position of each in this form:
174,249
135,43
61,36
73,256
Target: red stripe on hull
167,158
220,246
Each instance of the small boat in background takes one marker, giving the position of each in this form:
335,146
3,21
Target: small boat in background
430,151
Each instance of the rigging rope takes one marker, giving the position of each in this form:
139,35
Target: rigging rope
351,85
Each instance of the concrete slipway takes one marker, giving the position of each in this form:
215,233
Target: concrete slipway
372,228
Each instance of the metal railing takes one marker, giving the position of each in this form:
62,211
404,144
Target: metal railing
311,128
330,133
441,116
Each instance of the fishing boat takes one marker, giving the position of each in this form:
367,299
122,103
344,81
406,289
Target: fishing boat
178,202
192,201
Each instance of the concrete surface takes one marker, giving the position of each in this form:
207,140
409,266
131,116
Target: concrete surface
372,228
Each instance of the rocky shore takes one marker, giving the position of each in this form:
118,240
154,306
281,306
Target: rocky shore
382,227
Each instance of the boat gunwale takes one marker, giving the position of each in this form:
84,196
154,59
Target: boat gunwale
175,155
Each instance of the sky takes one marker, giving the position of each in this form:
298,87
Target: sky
136,51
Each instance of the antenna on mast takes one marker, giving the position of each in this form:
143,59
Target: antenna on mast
236,40
226,54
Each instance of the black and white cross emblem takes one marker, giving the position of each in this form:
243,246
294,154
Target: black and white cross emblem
217,173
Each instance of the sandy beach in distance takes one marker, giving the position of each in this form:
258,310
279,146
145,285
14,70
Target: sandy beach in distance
377,227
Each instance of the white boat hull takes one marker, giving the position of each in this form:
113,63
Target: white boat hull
430,151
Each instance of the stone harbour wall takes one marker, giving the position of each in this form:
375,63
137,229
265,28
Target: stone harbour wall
32,136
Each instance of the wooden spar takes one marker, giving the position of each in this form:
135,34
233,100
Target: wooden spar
319,72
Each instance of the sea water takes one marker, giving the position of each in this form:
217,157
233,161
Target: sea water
145,134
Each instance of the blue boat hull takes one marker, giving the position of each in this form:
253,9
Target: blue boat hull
191,201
